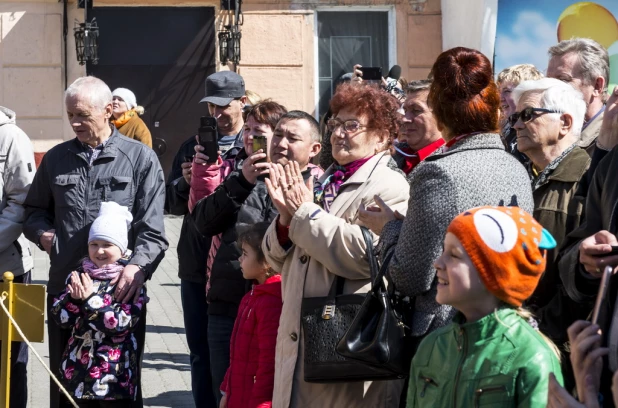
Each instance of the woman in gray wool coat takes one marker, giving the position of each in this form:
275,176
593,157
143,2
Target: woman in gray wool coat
473,170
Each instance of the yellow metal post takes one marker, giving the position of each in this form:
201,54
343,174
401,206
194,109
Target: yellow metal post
6,331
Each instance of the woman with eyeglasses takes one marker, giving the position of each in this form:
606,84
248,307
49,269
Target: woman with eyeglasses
473,170
317,238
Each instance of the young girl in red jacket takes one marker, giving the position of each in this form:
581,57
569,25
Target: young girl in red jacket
250,378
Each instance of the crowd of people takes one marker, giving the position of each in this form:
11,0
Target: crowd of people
489,204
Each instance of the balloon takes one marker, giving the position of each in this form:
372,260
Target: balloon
588,20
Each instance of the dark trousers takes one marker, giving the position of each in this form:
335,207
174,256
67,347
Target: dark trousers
195,313
58,339
19,363
219,334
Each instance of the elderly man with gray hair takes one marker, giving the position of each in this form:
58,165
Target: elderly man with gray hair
548,121
74,178
584,64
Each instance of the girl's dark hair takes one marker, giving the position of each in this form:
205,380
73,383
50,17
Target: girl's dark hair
253,236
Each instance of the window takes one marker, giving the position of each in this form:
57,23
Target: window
346,38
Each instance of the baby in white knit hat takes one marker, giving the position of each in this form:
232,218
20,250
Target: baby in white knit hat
100,359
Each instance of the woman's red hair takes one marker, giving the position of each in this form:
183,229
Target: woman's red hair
463,95
378,106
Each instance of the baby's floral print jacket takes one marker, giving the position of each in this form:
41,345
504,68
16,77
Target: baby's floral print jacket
100,359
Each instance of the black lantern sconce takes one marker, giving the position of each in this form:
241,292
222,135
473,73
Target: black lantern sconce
229,46
87,42
86,37
229,37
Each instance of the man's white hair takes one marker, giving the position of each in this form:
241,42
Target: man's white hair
558,96
92,88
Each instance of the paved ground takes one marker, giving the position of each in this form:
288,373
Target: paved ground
166,377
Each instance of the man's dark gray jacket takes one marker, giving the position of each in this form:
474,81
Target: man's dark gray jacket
67,192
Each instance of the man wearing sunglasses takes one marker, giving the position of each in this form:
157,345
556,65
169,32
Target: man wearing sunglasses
548,121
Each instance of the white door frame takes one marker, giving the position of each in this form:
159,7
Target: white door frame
392,40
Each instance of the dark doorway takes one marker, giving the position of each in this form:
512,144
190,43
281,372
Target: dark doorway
163,55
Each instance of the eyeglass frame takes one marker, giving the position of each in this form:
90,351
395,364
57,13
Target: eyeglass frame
343,125
515,117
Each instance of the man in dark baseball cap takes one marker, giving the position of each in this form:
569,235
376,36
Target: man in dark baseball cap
225,95
223,87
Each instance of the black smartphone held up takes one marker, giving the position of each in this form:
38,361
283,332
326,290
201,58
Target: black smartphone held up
208,138
607,272
371,73
188,159
260,142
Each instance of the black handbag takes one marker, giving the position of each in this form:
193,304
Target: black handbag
324,321
378,335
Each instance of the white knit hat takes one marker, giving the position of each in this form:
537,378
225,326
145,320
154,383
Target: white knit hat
127,96
112,225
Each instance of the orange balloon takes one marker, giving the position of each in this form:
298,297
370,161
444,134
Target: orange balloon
588,20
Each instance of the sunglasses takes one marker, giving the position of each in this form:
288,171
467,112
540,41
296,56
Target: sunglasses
528,114
349,126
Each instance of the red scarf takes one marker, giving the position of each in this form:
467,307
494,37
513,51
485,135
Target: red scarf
460,137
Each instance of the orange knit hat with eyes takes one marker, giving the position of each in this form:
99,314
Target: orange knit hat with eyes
507,246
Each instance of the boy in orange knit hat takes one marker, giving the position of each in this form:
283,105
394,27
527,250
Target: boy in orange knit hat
492,353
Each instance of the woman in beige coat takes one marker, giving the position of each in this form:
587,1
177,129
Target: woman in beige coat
313,242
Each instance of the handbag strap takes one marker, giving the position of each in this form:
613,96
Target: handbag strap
371,256
379,279
336,288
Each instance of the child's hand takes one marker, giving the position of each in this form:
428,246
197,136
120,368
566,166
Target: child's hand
74,288
80,287
87,286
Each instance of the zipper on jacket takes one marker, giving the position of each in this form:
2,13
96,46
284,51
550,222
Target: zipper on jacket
478,393
461,347
427,382
87,192
249,314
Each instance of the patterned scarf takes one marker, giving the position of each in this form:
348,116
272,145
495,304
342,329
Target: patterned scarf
107,272
547,171
326,192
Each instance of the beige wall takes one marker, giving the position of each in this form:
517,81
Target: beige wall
277,53
31,69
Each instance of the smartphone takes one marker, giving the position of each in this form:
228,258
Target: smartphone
208,138
614,252
188,159
371,73
607,272
260,142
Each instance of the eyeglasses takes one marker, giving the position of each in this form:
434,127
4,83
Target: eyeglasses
528,114
349,126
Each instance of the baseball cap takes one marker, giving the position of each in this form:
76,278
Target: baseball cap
223,87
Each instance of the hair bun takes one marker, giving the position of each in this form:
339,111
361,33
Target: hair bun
464,95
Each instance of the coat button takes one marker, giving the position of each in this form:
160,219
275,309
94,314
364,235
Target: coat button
303,259
294,336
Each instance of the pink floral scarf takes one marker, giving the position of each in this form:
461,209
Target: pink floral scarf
107,272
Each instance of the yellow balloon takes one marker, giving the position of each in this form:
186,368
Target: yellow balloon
588,20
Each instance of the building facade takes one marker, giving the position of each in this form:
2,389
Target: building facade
291,51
